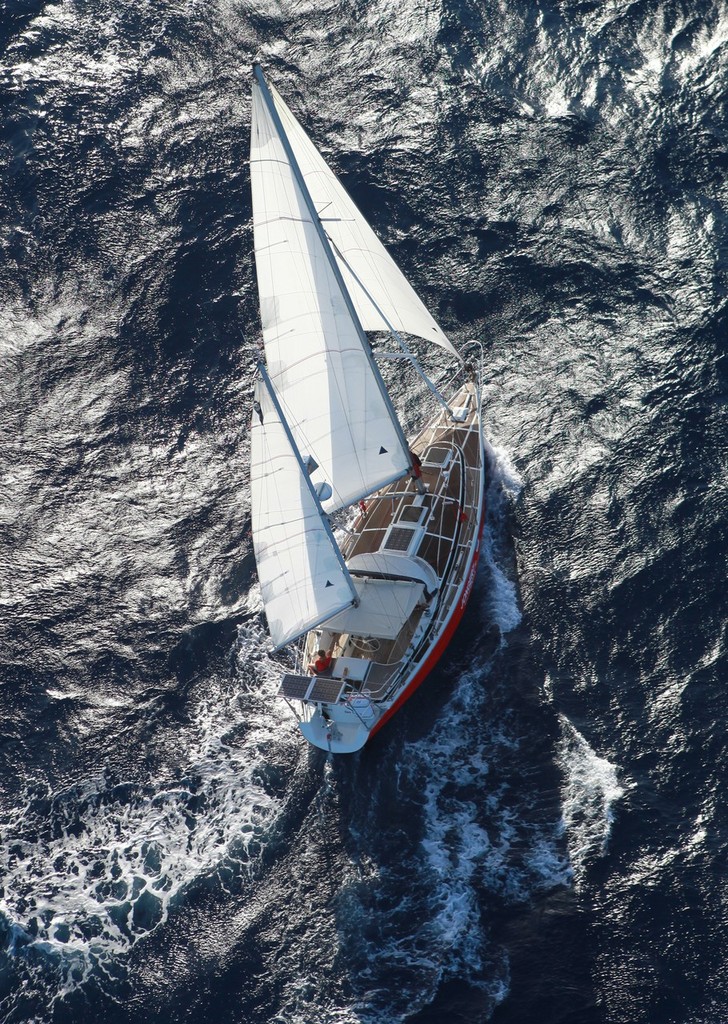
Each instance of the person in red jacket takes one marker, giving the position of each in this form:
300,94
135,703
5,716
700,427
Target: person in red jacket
416,472
323,661
416,465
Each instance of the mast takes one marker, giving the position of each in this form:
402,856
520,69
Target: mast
334,266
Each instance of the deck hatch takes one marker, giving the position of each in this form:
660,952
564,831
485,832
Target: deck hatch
437,455
412,514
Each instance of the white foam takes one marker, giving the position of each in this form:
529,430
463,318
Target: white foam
103,865
459,752
473,842
502,596
503,471
590,790
56,694
505,484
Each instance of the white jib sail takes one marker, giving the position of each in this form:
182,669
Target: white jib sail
377,273
323,379
302,581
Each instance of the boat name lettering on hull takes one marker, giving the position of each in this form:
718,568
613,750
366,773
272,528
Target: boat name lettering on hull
469,585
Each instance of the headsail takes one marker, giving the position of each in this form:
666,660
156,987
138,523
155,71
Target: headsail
302,580
375,274
317,355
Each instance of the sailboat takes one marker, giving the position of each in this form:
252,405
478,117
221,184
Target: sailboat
366,542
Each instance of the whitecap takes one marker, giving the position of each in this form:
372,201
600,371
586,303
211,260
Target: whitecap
590,790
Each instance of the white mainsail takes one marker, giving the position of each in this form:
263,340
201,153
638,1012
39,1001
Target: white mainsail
382,295
331,395
302,580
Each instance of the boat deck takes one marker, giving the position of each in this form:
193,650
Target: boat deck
444,521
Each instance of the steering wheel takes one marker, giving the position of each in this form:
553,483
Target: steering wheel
367,645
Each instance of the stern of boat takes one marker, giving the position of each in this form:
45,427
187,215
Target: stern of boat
336,735
334,715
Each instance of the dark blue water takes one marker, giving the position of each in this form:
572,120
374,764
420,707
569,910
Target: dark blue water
541,833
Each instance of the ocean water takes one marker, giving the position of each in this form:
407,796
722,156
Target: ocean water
541,833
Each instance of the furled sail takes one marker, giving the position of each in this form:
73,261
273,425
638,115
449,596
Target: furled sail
375,274
331,395
302,580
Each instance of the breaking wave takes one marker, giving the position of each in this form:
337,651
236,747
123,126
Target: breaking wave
591,789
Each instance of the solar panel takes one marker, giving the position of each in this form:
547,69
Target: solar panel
399,539
328,690
294,687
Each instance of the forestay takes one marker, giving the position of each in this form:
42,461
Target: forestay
375,274
302,581
330,396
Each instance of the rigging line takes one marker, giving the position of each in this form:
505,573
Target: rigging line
395,334
336,271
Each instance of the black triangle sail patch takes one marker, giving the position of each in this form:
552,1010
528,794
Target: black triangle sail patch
383,451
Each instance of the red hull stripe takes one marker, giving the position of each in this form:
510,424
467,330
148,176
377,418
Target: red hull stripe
439,648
